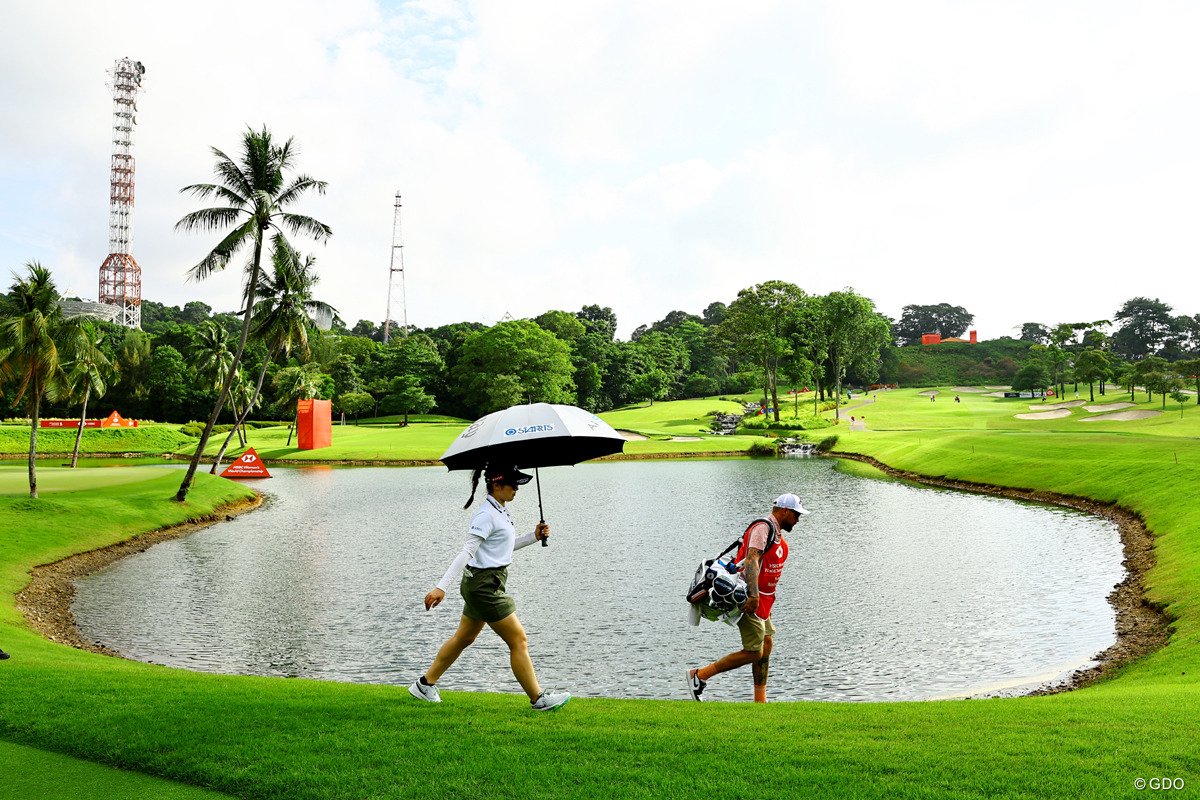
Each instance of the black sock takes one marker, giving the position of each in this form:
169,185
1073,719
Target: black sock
425,682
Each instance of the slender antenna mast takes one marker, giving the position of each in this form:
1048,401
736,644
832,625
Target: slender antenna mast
396,275
120,275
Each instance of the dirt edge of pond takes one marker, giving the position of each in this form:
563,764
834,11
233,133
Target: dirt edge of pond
46,600
1142,627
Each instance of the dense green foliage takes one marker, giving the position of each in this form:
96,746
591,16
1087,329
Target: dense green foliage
917,320
954,363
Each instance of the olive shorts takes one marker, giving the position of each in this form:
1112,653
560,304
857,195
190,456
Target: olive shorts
754,630
483,594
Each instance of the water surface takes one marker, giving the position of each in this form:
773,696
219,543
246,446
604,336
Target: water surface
892,591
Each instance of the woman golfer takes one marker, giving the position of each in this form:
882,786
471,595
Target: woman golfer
483,564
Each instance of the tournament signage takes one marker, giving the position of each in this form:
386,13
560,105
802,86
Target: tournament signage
113,420
249,465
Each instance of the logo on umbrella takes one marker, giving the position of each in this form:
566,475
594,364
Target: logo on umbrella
530,429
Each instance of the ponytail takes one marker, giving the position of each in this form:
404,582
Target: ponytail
474,485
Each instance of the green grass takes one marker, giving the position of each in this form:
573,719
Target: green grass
279,738
148,439
30,774
672,418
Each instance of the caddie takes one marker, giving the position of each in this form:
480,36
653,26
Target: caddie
762,555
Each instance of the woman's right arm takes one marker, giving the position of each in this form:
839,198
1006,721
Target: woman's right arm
452,575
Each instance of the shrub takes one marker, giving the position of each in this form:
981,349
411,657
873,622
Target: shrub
762,450
193,429
827,444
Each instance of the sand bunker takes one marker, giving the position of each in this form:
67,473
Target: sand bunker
1053,406
1008,388
1122,416
928,394
1100,409
968,389
1055,414
687,439
630,436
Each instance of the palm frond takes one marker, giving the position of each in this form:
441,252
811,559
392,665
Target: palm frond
223,252
208,219
300,184
301,224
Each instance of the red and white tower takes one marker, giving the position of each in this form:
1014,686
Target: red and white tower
120,275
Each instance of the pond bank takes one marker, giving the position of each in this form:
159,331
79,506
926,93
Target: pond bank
1142,628
46,600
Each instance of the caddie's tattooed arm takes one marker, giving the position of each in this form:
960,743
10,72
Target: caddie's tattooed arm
753,564
750,572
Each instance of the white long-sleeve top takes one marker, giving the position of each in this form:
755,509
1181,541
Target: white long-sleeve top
490,542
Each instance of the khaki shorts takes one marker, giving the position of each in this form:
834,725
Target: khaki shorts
483,594
754,630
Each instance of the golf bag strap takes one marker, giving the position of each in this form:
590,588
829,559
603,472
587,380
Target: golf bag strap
772,536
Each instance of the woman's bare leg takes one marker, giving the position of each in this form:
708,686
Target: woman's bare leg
468,629
513,634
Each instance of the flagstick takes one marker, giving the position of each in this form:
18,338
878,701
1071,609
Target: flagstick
542,514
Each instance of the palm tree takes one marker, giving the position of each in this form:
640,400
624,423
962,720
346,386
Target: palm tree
283,315
210,353
133,362
254,191
36,342
91,370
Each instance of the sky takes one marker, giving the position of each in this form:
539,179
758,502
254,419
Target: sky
1029,161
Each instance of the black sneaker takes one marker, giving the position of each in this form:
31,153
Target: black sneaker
695,685
3,655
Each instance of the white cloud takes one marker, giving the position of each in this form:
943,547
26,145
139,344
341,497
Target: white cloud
1023,160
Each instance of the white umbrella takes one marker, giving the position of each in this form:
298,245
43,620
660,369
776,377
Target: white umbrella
534,435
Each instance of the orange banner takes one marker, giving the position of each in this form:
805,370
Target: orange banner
315,424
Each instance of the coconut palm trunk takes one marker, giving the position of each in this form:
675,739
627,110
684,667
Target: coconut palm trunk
34,420
262,373
87,392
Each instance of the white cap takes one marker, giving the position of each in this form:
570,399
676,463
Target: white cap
790,502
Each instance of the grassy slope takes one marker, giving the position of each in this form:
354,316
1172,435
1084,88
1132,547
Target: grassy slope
31,774
149,439
284,738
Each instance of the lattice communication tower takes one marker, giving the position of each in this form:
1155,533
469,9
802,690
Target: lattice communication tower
396,278
120,275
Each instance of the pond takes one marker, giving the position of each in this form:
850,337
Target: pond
892,591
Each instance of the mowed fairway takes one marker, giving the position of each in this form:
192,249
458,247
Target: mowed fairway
65,479
278,738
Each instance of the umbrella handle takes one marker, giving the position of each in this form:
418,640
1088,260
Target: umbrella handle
538,479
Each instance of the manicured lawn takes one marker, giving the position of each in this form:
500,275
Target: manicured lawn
32,774
280,738
674,418
908,409
147,439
